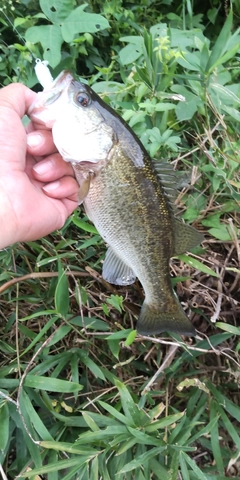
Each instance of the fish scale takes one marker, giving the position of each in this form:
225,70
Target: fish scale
124,195
137,225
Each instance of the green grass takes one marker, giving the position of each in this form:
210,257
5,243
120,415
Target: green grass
81,395
80,398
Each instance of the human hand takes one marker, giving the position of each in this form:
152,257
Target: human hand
38,190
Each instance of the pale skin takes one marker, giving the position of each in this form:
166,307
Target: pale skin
38,190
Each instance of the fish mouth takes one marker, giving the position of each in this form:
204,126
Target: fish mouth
52,92
62,81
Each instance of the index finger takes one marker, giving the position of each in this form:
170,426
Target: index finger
15,100
17,97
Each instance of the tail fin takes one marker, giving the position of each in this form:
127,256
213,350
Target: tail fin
152,321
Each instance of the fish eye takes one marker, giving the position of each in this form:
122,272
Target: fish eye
83,99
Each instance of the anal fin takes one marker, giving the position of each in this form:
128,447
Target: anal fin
116,271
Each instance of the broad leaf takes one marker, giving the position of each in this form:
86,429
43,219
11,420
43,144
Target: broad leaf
51,40
57,10
79,21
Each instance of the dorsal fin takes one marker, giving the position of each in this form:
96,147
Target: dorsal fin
186,237
168,180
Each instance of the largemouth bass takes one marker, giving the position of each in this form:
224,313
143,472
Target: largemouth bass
127,196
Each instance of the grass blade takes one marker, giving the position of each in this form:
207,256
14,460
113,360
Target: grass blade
194,466
51,384
142,459
220,44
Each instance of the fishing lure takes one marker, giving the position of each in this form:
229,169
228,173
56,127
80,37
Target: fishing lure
43,73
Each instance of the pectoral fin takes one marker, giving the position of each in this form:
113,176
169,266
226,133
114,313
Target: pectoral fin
84,185
116,271
185,237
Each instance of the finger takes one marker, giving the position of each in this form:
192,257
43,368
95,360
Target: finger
14,102
52,168
70,205
40,142
65,187
17,97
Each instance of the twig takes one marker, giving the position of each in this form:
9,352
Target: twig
188,347
2,473
167,361
9,399
97,276
32,275
216,314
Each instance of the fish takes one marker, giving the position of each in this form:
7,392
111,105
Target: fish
128,196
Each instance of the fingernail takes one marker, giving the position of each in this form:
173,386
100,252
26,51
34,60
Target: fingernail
50,187
42,167
34,139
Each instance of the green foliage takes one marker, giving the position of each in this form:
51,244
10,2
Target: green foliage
118,435
81,395
66,22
